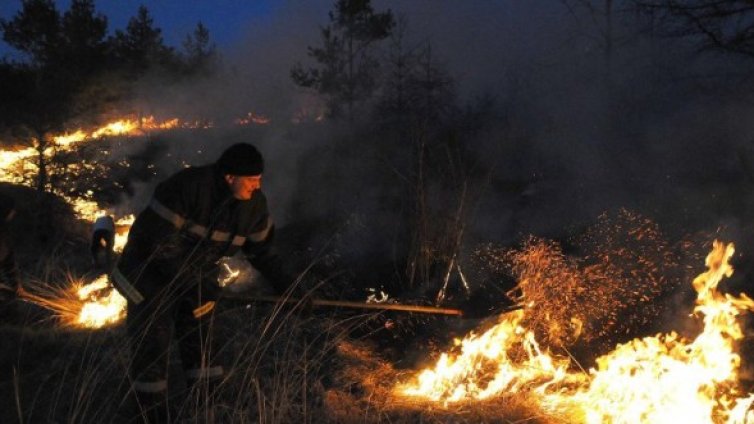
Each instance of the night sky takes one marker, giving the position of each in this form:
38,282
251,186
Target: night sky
227,20
469,35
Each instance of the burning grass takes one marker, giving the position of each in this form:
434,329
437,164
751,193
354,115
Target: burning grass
79,304
613,281
654,379
283,367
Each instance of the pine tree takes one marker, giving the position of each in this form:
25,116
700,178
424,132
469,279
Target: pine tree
346,69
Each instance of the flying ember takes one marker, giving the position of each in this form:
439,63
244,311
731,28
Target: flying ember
650,380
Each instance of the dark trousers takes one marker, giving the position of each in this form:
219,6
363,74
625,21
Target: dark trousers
152,325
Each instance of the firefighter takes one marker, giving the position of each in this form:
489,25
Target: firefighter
10,285
103,236
168,270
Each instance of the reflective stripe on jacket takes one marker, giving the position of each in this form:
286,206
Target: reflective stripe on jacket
193,220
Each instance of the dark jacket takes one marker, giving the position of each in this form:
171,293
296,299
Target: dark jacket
192,221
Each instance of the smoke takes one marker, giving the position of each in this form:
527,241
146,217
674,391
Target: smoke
649,124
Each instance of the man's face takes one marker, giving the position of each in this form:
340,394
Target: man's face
243,187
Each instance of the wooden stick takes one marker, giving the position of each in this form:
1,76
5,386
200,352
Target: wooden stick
348,304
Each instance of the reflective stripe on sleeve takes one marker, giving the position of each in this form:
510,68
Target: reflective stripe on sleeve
238,240
125,287
199,230
167,214
202,232
204,309
262,234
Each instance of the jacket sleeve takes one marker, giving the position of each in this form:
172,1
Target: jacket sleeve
159,229
260,251
178,196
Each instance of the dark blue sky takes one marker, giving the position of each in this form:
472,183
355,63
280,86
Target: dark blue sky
227,20
474,40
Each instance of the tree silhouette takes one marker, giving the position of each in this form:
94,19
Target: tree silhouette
725,26
42,106
84,44
140,46
200,55
346,68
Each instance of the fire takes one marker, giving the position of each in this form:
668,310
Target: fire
66,139
651,380
22,158
663,378
87,210
122,226
124,126
484,367
81,305
252,118
101,304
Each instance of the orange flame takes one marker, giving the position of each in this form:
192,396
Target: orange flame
101,305
649,380
252,118
93,305
122,226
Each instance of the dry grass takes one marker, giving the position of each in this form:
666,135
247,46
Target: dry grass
283,366
613,284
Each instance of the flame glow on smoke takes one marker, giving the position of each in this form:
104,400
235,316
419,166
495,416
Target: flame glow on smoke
651,380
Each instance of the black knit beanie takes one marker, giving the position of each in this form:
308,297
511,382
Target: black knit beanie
241,159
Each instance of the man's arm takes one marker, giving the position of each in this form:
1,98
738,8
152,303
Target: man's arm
260,251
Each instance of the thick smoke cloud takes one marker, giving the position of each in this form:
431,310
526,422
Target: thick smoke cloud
653,127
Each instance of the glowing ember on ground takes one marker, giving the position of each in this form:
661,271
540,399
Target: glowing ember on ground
252,118
650,380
